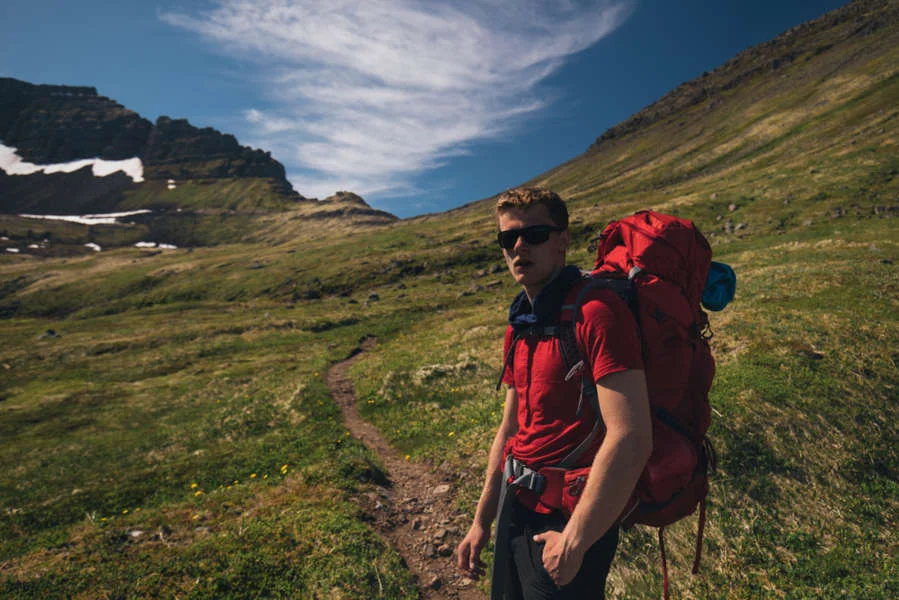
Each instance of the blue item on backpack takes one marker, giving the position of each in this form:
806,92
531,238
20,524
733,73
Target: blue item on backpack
720,286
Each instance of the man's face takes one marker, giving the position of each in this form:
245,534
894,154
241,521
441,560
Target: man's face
533,265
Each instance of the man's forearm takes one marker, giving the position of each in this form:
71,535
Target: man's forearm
611,482
620,460
488,503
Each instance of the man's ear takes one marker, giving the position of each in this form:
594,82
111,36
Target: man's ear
565,240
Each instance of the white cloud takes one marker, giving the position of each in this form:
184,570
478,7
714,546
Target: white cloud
365,94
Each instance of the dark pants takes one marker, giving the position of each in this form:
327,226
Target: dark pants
527,559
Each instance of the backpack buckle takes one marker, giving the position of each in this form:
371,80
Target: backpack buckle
577,486
524,477
575,370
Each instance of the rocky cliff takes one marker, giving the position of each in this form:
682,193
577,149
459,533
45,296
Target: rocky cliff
54,123
51,124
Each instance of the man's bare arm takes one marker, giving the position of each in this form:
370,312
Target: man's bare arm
626,447
469,550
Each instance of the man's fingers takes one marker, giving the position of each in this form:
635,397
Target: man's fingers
540,538
476,569
463,556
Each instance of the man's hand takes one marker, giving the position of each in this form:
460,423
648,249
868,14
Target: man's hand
469,552
560,561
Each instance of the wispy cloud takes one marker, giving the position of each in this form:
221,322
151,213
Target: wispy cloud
366,94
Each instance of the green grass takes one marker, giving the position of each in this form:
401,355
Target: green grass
180,423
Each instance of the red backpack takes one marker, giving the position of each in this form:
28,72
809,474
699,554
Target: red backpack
659,264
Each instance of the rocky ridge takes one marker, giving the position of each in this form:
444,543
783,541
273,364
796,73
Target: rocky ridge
55,124
858,18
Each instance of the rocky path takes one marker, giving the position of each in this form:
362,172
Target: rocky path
415,513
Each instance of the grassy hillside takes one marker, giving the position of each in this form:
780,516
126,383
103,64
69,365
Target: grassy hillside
165,429
197,213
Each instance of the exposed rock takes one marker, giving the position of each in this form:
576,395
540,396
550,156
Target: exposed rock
57,123
440,490
433,582
50,124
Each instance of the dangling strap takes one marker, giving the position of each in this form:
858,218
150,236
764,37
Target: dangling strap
507,360
664,563
699,536
500,579
533,331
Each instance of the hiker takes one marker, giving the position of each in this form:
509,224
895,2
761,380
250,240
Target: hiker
542,551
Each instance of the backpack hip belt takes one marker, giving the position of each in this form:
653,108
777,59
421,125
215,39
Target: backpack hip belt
558,488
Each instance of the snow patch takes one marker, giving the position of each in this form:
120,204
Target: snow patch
13,250
12,163
93,246
104,219
155,245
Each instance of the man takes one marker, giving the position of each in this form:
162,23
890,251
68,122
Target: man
545,554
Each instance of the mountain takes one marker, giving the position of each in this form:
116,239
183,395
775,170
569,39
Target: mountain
767,140
66,127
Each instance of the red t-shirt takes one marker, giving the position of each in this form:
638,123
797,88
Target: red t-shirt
548,425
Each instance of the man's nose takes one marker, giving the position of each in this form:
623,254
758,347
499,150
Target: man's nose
519,243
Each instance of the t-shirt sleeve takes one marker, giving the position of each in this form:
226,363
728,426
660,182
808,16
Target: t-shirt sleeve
610,334
508,379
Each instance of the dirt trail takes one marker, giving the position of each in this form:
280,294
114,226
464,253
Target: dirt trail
415,513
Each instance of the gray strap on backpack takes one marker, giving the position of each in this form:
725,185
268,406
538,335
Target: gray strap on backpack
501,587
577,363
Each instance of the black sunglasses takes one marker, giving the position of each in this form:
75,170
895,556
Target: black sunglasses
533,235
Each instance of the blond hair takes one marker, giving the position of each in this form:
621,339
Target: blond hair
526,198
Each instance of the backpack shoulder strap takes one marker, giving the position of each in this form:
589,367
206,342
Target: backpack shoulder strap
574,357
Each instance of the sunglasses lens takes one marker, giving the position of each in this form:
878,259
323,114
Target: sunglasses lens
534,235
508,238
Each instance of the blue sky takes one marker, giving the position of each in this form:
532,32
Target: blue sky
417,105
